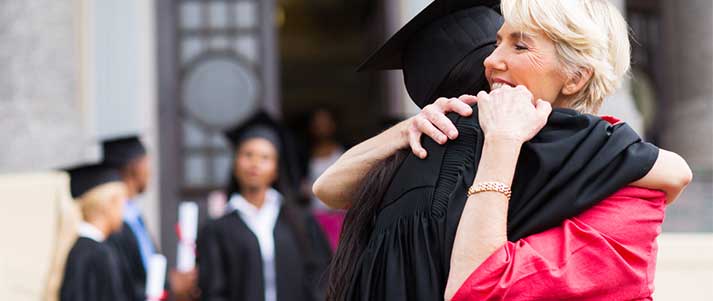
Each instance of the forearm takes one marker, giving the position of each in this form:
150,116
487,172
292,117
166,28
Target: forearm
483,224
669,174
336,186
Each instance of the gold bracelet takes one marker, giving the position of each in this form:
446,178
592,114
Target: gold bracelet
490,186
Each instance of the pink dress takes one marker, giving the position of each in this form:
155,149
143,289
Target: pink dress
606,253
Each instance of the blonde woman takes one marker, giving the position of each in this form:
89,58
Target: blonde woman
573,54
532,197
92,271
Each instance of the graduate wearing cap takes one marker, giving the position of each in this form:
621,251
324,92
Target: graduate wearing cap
133,243
388,252
264,247
92,269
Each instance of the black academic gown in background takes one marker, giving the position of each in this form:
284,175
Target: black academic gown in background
576,161
133,273
91,273
230,262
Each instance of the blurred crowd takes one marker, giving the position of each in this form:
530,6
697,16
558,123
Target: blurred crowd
266,235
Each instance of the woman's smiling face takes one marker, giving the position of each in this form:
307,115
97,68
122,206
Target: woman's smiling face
527,59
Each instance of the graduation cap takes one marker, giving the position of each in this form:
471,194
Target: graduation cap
262,125
434,42
121,151
84,178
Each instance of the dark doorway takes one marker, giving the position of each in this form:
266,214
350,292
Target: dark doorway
322,42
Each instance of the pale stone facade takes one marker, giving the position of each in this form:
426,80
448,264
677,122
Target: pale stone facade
44,121
74,73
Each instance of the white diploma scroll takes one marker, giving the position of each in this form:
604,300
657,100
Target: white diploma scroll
187,232
155,278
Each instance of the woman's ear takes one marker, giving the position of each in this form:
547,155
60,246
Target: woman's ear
577,82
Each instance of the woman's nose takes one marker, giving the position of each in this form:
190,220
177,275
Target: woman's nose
495,61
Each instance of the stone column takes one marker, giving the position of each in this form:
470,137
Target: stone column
621,104
45,120
125,83
688,36
688,99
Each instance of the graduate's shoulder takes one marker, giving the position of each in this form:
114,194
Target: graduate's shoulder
213,226
304,215
122,237
89,253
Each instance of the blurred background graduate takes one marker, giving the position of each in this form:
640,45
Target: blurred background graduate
92,268
264,247
134,243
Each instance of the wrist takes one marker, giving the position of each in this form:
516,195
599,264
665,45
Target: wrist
402,132
498,160
501,140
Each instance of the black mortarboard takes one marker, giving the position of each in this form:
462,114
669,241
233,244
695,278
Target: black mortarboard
434,42
84,178
260,125
121,151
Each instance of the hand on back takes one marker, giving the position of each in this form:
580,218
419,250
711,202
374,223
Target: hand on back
506,113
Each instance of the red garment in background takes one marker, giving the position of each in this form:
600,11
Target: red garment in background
331,222
606,253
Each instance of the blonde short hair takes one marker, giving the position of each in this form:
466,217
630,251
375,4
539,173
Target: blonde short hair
98,199
590,34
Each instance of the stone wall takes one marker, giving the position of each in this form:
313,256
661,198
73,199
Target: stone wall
43,121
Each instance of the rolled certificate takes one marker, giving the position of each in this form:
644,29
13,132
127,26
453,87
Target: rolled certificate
187,232
156,278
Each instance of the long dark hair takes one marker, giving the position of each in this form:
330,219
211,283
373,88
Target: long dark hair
359,223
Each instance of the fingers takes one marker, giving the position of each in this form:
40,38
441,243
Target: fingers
461,105
524,91
433,122
543,108
483,97
435,116
426,126
414,140
468,99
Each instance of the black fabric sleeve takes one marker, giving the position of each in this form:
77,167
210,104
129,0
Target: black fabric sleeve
316,280
211,265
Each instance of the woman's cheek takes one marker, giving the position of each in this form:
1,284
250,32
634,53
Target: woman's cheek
537,63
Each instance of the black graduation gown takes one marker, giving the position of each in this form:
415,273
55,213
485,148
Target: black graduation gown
91,273
574,162
230,261
133,273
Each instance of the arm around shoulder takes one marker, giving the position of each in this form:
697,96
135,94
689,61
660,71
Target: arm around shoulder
336,186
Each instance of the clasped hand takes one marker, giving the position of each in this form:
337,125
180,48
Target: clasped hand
506,113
